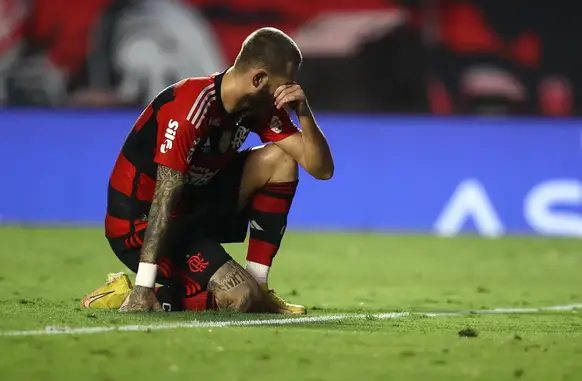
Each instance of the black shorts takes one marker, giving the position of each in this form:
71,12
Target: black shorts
212,211
194,238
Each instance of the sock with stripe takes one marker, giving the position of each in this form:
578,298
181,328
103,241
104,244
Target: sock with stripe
268,221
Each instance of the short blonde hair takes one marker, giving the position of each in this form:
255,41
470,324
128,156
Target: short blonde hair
268,48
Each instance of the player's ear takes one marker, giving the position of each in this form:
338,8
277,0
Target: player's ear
260,79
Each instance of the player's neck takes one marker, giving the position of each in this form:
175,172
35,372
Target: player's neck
233,98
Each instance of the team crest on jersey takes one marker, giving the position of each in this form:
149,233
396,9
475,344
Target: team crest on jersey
197,263
239,137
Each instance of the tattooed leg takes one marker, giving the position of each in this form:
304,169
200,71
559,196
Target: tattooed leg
235,289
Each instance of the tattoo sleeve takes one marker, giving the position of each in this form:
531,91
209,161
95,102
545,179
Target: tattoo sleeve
169,185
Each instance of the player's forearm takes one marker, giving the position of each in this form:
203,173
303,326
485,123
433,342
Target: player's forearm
168,188
158,221
316,152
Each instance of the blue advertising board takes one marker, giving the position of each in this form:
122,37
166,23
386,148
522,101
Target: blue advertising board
443,175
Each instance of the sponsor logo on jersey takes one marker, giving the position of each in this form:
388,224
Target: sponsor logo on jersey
170,136
200,170
276,125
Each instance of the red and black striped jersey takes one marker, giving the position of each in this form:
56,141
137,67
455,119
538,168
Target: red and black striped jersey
187,129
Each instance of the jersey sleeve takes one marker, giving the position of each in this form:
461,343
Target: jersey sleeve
179,131
277,126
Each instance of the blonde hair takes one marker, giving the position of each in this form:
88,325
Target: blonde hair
268,48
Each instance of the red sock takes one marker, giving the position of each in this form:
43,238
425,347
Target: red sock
268,220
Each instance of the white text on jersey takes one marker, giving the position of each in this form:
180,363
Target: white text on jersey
170,135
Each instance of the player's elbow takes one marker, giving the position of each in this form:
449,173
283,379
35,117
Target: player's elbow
324,173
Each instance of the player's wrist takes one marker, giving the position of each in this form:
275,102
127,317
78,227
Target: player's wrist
146,275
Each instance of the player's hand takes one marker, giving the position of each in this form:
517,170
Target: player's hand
291,95
141,299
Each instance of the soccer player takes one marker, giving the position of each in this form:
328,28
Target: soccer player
181,186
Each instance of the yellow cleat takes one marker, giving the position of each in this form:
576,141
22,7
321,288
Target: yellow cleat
111,295
280,305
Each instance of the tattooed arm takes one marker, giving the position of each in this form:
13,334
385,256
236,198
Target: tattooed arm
169,186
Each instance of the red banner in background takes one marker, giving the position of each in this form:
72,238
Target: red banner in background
408,56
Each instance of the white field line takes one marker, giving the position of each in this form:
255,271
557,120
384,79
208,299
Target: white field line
286,321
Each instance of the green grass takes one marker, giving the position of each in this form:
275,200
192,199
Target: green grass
45,272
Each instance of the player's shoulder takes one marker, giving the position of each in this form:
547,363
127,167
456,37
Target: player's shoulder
183,94
192,87
192,84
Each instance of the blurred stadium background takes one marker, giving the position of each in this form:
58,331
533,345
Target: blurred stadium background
78,72
400,56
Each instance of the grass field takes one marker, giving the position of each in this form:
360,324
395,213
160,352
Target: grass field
45,272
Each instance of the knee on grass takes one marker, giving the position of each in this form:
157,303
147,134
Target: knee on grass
244,298
234,288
